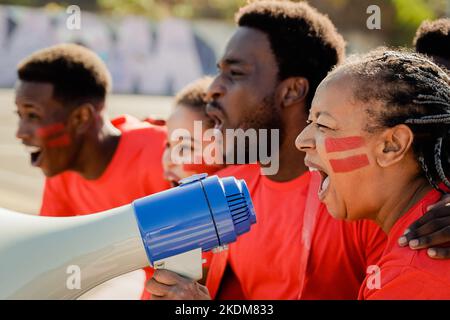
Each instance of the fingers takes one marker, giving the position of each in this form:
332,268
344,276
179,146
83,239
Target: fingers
437,212
157,289
433,233
444,200
439,253
204,290
167,277
430,229
167,285
430,239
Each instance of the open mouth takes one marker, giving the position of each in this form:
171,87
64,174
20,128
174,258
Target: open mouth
212,110
172,178
173,183
324,182
35,155
217,123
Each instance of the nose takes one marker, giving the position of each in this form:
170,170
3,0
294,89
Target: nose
23,131
215,90
305,140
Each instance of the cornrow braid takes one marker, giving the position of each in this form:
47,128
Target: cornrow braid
438,162
414,91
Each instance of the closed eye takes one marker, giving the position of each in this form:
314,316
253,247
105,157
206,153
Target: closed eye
318,125
321,126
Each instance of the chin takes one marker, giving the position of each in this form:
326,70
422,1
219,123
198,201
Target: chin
51,173
336,213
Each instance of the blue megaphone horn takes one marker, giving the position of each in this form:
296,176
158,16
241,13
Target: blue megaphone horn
166,230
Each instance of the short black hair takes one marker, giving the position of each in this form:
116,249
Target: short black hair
433,38
77,74
304,41
193,96
411,90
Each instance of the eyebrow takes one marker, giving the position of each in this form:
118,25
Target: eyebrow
230,62
319,113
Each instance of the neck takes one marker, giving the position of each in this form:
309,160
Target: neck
399,201
98,149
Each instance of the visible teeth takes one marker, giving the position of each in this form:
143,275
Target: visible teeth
313,169
32,149
325,183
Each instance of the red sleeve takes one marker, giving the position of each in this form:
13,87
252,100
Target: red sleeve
409,284
54,200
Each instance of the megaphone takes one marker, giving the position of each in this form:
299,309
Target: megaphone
62,258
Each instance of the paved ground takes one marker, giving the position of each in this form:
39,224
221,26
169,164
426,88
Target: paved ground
21,184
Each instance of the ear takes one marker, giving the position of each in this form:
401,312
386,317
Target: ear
395,143
81,118
293,91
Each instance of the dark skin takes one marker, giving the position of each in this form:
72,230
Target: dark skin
247,72
92,139
431,231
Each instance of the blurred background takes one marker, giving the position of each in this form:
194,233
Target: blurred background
153,48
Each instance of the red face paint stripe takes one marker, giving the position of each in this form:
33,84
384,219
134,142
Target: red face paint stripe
50,130
343,144
201,168
61,141
350,163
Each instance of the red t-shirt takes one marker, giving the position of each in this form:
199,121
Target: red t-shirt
289,254
135,171
405,273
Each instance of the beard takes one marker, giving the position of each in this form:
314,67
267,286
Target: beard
266,116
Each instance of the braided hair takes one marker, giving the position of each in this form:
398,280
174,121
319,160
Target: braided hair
414,91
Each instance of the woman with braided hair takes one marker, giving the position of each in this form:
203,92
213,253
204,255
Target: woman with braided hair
379,135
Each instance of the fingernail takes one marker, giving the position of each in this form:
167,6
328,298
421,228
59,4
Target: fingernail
406,232
431,252
414,243
402,241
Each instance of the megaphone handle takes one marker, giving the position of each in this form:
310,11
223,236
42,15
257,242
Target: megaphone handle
187,264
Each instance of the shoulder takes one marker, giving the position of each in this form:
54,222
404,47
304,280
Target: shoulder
61,180
245,171
150,139
410,282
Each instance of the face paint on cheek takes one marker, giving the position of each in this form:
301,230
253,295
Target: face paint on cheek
62,141
350,163
54,135
50,130
343,144
201,168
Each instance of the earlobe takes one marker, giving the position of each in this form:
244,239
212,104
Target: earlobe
294,91
394,144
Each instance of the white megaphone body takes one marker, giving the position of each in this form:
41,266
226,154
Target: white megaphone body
62,258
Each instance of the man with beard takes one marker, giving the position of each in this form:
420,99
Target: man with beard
267,78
